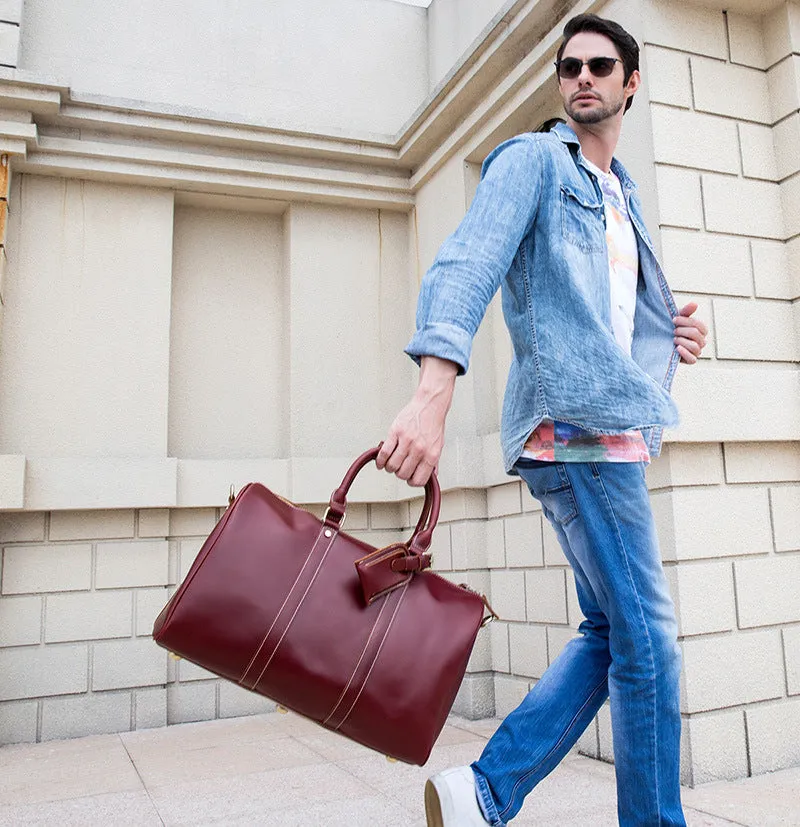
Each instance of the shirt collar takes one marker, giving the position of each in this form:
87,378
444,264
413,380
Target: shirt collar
567,136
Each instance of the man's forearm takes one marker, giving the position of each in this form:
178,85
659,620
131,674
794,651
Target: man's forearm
437,380
436,374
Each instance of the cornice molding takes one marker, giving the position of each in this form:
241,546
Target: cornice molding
182,168
197,127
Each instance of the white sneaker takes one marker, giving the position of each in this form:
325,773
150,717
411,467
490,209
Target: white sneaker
451,799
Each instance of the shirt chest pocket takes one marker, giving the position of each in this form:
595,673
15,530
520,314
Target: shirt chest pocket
582,221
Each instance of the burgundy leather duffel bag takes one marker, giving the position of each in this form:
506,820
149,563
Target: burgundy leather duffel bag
365,641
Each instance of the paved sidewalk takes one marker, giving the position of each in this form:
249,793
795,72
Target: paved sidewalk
282,770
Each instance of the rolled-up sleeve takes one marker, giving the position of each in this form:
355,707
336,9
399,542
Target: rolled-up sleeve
473,261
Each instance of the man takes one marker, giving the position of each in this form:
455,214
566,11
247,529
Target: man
596,339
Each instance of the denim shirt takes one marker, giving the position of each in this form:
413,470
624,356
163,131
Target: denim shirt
537,227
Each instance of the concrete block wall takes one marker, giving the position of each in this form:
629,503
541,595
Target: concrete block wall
727,519
79,592
728,197
724,101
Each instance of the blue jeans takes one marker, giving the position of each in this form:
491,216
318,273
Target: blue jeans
627,651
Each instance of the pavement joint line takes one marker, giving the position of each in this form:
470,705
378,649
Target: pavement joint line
323,758
714,815
340,765
141,780
470,731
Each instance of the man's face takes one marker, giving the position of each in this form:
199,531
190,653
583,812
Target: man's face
589,99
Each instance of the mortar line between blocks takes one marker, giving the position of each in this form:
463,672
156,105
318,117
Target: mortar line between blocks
736,596
727,35
771,520
747,744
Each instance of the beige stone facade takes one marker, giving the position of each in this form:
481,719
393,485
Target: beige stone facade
217,227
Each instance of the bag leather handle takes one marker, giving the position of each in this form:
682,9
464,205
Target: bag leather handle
423,533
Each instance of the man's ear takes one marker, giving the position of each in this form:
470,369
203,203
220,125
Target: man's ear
634,82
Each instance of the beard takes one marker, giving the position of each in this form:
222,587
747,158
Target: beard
596,114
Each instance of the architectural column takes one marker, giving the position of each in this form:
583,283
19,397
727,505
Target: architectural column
16,129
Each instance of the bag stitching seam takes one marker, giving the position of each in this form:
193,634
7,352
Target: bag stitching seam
283,605
377,655
294,614
363,652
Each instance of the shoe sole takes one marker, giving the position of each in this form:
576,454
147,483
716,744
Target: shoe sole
433,807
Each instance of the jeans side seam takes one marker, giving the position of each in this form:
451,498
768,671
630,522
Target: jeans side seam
555,746
487,802
649,641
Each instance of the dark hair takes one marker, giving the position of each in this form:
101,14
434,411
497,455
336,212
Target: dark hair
627,47
549,124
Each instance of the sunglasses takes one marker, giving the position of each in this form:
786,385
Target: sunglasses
570,67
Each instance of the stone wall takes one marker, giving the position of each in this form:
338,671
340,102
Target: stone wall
195,302
80,593
725,94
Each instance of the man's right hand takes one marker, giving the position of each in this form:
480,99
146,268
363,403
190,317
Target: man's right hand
415,440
